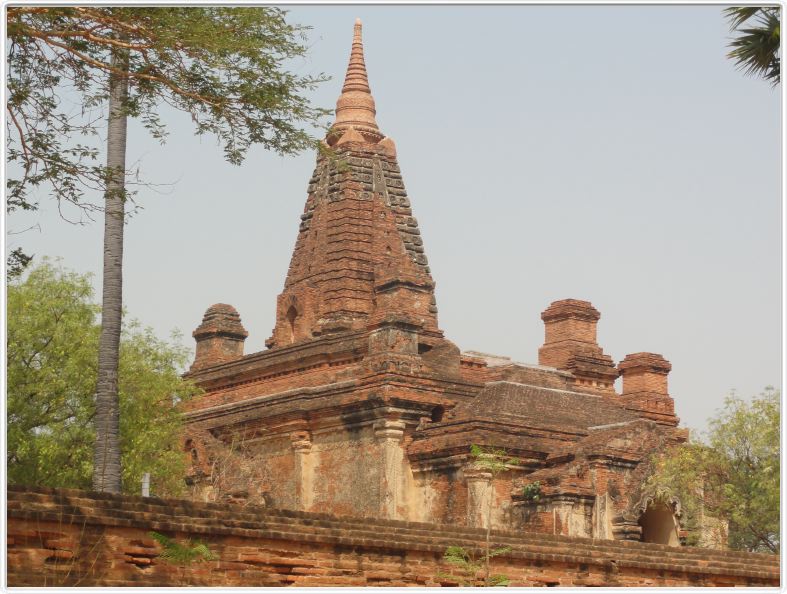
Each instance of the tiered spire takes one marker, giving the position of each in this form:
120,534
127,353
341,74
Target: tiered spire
356,78
355,108
359,258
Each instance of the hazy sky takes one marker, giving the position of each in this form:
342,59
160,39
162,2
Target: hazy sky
606,153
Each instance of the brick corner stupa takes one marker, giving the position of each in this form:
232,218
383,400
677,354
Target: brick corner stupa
360,406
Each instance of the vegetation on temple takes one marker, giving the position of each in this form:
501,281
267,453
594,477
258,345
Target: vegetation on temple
180,553
52,352
224,66
468,565
493,461
731,473
755,48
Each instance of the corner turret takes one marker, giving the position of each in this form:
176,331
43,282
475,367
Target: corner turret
645,387
570,344
219,337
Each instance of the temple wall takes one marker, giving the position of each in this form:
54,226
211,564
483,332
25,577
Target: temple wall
360,467
275,463
68,537
440,496
336,470
566,516
346,472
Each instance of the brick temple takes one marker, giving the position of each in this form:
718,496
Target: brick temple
360,406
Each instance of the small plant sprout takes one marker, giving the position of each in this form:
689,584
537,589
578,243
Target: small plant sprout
469,566
494,461
532,492
182,555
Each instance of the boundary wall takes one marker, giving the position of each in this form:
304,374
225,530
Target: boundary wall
60,537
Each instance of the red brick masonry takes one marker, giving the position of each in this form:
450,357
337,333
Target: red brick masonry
68,537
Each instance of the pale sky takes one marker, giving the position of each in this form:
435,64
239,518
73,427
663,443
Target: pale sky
605,153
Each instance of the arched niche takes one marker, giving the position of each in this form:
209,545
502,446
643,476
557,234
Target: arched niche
292,316
659,525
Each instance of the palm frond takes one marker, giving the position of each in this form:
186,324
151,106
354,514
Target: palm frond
756,49
737,15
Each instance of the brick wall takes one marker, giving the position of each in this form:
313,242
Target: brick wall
68,537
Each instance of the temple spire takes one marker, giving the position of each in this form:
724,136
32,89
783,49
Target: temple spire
359,261
355,107
356,78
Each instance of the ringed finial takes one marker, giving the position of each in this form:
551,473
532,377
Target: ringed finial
355,107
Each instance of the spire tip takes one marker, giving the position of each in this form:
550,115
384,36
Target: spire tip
355,107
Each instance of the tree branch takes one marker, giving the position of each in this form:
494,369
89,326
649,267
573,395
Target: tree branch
25,149
130,75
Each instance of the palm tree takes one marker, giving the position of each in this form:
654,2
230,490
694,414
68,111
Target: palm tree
756,48
106,468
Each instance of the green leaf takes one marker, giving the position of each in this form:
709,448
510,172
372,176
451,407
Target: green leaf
52,338
226,67
755,49
498,551
499,580
494,460
182,554
730,474
458,556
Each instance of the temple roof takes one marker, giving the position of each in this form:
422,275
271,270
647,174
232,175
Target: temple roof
520,417
537,406
532,421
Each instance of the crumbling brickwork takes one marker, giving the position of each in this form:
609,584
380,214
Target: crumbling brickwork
65,537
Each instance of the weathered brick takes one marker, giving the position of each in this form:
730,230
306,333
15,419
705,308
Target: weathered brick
245,559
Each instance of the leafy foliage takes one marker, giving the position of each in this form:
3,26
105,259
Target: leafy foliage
52,345
227,67
182,554
732,473
532,491
493,460
756,47
17,261
469,565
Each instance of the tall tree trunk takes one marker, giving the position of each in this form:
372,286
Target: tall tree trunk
106,468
